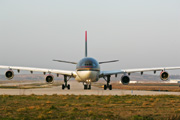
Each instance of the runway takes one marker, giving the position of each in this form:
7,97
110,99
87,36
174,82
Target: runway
78,89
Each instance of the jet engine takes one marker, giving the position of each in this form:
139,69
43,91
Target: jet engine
49,78
125,80
9,74
164,75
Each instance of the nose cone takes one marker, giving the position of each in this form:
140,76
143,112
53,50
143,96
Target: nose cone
88,76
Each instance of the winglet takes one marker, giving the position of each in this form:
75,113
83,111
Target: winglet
85,43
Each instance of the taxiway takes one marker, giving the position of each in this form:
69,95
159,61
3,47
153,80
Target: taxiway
77,89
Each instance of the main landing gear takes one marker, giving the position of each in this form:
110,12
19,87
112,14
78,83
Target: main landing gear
65,85
108,81
87,86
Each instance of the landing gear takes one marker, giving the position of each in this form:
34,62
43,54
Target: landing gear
108,81
110,87
65,85
87,86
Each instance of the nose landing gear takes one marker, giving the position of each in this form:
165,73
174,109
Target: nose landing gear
87,86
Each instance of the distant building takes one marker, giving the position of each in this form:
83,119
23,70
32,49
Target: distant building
130,82
173,81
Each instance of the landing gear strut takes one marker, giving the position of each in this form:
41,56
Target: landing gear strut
87,86
108,81
65,85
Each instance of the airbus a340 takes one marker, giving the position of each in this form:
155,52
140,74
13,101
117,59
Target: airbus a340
87,71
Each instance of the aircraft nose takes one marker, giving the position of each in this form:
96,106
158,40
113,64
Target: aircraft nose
88,76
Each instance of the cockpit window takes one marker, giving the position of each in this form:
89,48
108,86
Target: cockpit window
88,63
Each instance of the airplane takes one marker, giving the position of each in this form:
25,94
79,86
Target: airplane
87,71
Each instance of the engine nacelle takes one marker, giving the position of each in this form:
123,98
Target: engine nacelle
49,78
9,74
164,75
125,80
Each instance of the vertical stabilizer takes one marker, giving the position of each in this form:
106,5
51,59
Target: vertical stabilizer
85,43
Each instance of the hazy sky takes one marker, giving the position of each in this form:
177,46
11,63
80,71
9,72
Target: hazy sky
140,33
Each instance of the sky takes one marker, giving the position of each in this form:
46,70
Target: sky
139,33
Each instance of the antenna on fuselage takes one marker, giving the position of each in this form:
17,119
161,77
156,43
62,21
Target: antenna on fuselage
85,43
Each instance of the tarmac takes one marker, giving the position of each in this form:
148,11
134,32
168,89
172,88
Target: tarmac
78,89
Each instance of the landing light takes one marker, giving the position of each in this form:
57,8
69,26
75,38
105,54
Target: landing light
88,80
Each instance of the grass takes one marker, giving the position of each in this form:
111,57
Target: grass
70,107
168,87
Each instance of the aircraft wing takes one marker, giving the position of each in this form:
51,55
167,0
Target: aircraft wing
61,72
123,71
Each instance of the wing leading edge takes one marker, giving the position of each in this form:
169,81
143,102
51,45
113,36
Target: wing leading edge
61,72
124,71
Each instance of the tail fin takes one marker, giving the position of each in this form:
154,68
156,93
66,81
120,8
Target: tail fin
85,43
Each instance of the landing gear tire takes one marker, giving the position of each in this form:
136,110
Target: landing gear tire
89,87
85,87
105,87
110,87
68,86
63,86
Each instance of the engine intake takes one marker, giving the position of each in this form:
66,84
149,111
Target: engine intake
49,78
164,75
9,74
125,80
